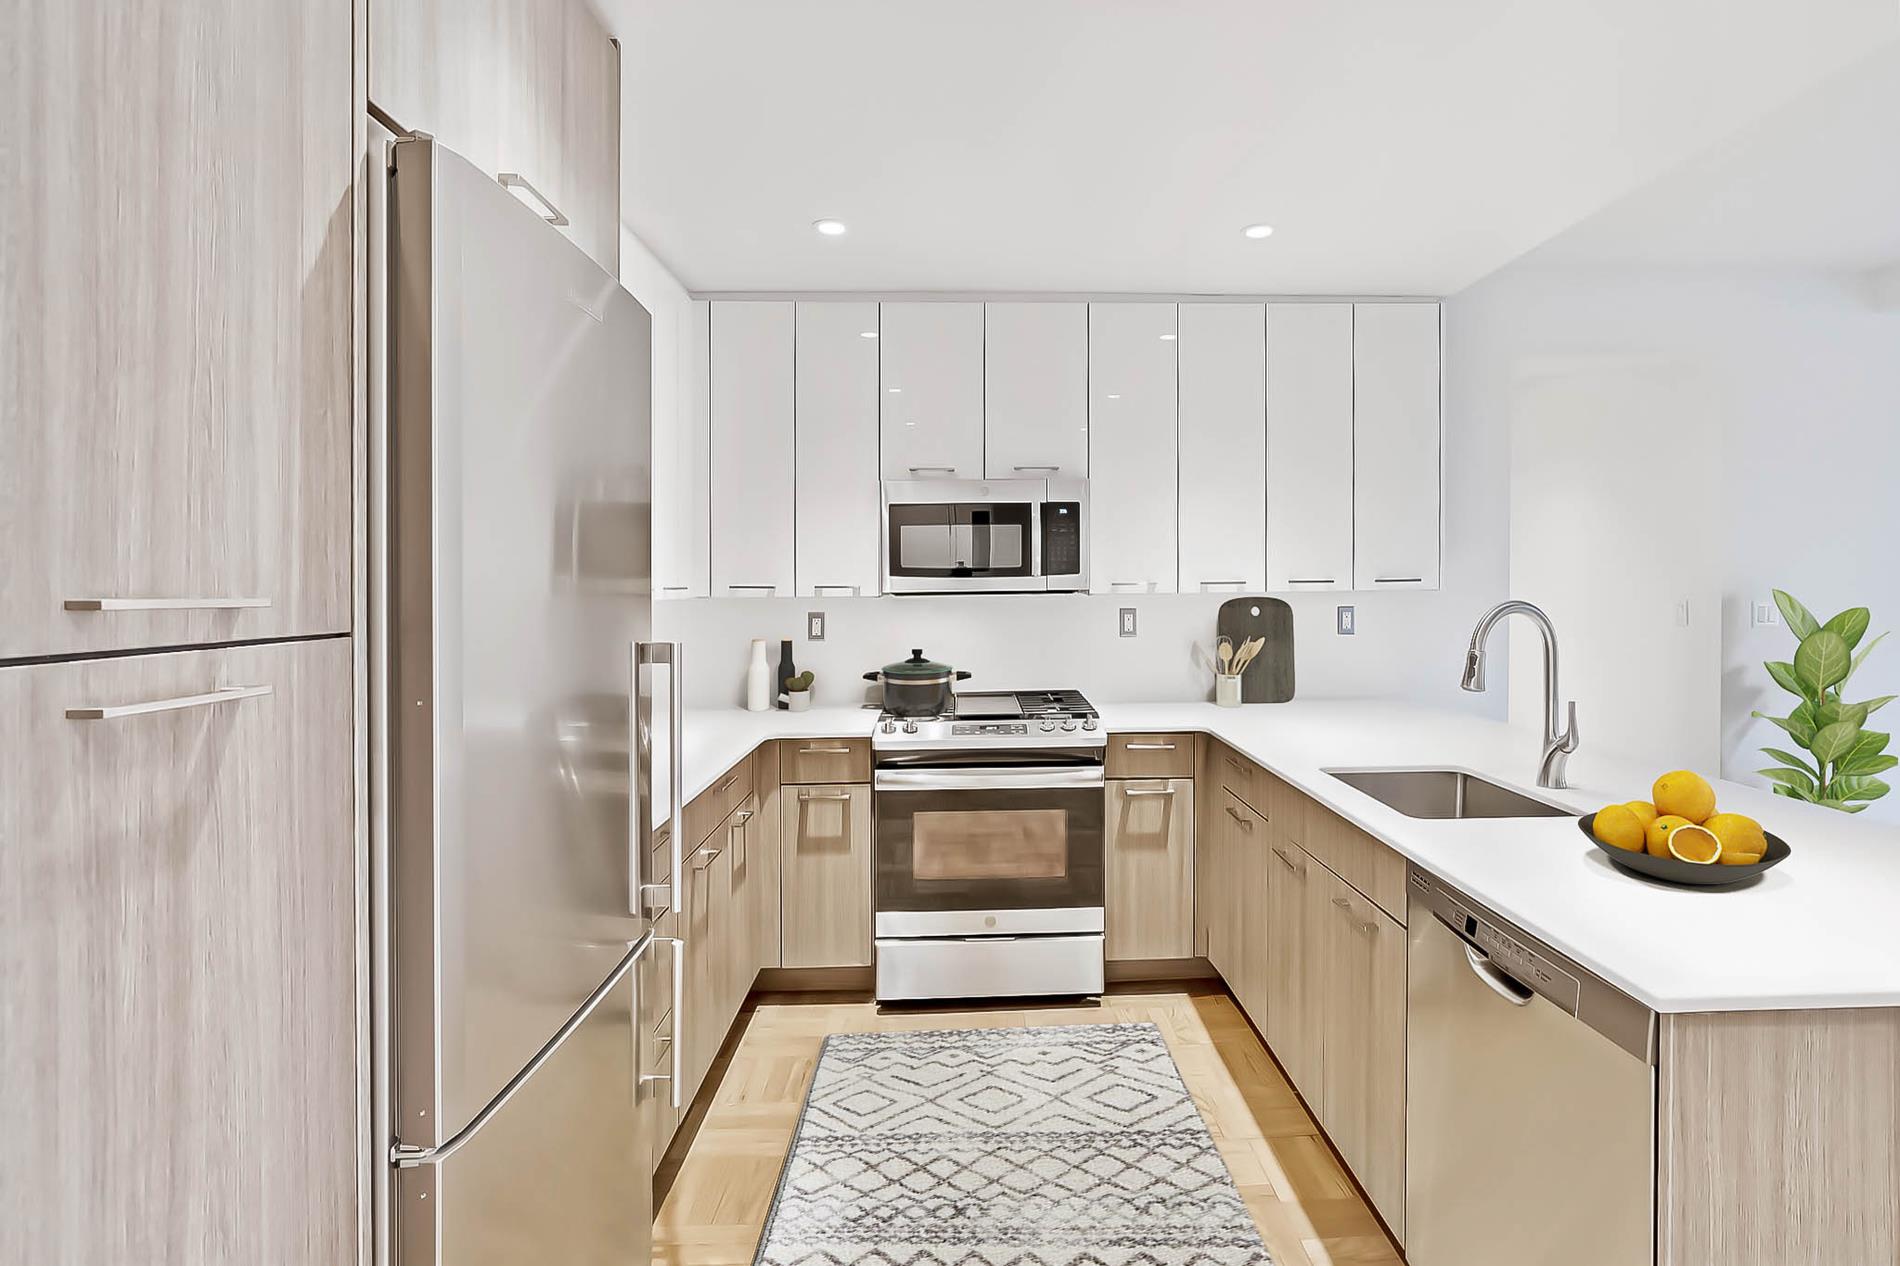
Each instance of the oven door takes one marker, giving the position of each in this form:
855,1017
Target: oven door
953,537
976,851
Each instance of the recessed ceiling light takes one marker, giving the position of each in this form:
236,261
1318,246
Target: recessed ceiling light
1113,396
1167,338
867,333
896,391
830,228
1255,231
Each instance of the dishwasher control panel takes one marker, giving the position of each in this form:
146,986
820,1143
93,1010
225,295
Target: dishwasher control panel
1522,963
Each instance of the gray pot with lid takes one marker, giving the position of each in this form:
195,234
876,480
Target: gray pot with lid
917,687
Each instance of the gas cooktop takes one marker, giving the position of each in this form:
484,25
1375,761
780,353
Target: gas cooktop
1020,718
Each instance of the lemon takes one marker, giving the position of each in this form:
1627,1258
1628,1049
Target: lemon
1683,794
1616,826
1692,843
1656,834
1645,812
1743,842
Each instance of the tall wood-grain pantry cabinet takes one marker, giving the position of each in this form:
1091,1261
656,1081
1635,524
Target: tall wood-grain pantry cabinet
180,875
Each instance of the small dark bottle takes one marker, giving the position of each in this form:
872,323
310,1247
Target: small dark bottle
786,671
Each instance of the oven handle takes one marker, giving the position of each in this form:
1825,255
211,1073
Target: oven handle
1018,778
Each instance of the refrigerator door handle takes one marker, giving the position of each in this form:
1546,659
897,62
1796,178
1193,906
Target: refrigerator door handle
405,1156
646,655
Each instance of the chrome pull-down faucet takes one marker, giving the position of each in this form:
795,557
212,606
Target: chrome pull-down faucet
1557,747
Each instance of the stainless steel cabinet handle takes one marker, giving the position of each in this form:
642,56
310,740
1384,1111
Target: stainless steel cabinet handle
1235,763
1398,580
931,470
824,795
1041,468
710,854
1367,928
164,604
1327,581
1236,817
754,588
514,182
825,751
112,712
1155,791
1235,583
728,783
847,591
675,588
1291,865
1126,584
1149,747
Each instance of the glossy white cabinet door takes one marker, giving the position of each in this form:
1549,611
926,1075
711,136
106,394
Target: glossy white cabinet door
1223,446
1132,448
1396,446
931,400
837,500
682,474
1309,446
1036,390
752,449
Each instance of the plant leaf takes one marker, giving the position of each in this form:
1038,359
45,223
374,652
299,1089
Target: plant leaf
1851,624
1834,710
1867,747
1842,805
1875,705
1822,661
1865,651
1799,618
1831,742
1789,758
1783,673
1799,724
1858,788
1793,779
1879,763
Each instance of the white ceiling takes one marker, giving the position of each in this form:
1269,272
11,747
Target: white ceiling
1815,184
1397,147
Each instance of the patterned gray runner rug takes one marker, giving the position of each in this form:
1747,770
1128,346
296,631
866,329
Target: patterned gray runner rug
1005,1147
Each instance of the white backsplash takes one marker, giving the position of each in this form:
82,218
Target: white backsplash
1408,645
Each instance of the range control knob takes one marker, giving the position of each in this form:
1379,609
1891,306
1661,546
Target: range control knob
910,727
1088,723
1048,725
1068,725
889,727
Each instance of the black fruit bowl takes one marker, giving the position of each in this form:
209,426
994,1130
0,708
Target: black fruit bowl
1673,870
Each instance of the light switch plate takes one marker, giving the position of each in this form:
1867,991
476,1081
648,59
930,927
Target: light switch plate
814,626
1765,614
1128,622
1343,620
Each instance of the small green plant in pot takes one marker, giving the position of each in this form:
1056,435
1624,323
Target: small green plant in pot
798,691
1843,755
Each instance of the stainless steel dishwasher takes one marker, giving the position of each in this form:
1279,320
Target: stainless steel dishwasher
1530,1099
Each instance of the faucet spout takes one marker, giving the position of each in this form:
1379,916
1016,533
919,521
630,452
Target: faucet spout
1557,745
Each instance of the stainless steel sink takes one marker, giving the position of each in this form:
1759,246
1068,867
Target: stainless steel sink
1445,793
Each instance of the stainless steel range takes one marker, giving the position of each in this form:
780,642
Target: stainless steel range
989,848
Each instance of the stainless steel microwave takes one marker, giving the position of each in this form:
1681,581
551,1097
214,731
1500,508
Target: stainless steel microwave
986,536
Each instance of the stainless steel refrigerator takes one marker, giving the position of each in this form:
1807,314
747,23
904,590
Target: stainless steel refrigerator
527,992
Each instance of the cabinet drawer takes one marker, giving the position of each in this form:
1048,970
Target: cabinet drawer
1150,756
1240,776
824,760
1150,879
710,807
1365,863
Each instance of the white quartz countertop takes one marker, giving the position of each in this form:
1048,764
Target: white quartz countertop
1820,930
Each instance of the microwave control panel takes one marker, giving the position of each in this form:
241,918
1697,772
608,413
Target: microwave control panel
1061,538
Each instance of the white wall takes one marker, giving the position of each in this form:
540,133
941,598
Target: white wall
661,294
1709,434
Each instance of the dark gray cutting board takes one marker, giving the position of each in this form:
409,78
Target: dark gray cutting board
1269,679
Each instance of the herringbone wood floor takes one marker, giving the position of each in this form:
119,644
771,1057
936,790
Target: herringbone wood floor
1309,1212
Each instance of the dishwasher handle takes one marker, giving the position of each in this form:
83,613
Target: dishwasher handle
1497,980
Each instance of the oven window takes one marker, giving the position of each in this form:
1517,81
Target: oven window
964,539
1011,844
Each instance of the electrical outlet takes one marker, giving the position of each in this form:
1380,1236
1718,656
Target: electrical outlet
1128,622
1682,614
1765,614
1342,617
814,626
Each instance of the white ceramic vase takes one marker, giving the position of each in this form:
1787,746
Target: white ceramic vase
758,679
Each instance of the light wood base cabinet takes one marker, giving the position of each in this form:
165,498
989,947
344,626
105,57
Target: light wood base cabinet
178,996
176,298
1150,879
825,870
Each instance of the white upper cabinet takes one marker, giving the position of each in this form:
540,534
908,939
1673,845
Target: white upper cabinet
1223,446
682,456
838,504
1309,446
1132,448
752,449
1036,390
1396,446
931,399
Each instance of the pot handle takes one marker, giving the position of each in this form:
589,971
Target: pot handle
963,676
873,676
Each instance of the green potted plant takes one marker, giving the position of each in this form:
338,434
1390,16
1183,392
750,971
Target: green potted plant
1843,755
798,691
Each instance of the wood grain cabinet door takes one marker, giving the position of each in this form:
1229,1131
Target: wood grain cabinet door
178,923
176,416
1293,1025
1150,877
825,870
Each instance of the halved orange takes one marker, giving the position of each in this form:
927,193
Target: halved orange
1692,843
